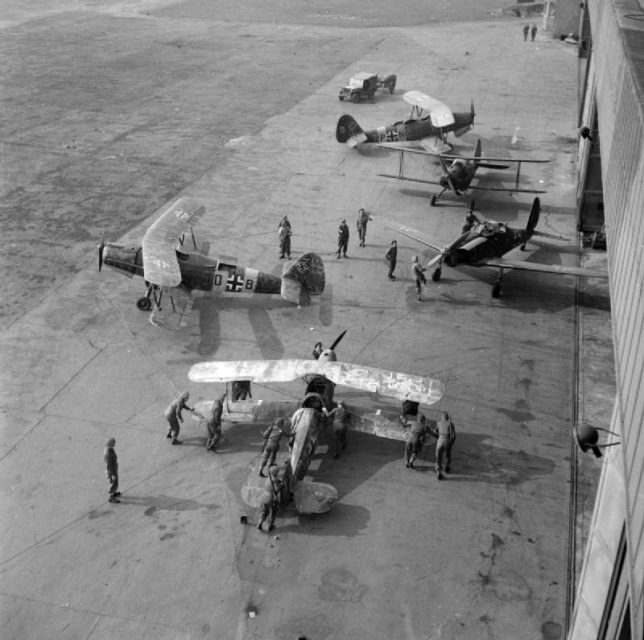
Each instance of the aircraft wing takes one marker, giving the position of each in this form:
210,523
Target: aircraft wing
439,113
476,187
391,175
254,370
160,266
393,384
411,233
560,269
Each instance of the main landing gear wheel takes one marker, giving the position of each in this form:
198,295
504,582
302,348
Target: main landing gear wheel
355,98
496,290
144,304
433,201
436,276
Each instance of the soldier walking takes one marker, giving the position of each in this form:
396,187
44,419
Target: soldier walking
392,256
526,29
343,238
418,274
533,31
112,470
361,224
174,417
446,434
272,437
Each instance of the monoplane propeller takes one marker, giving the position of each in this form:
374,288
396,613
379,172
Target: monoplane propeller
101,246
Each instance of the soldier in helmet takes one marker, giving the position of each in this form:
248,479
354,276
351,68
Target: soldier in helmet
272,437
415,440
112,470
174,417
270,499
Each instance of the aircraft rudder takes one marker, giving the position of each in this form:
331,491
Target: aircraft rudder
533,220
347,128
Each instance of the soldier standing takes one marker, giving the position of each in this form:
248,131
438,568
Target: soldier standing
213,424
526,29
174,417
340,417
317,350
272,437
391,257
361,224
446,434
418,274
533,31
343,238
112,470
284,233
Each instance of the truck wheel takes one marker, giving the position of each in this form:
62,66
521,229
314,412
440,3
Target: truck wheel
355,98
341,98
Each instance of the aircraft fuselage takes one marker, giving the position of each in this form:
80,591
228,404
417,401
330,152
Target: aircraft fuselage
198,271
499,240
419,128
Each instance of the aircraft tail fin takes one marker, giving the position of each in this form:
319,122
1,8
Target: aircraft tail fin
303,278
534,216
349,131
314,497
477,152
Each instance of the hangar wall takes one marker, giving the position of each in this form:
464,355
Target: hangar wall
610,597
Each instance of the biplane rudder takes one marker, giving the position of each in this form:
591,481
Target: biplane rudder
349,131
303,278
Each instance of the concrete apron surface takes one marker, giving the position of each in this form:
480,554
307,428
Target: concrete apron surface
480,555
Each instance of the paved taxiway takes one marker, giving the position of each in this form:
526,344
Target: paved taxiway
482,555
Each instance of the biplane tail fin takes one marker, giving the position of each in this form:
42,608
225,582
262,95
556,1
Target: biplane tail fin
314,497
303,278
534,217
349,131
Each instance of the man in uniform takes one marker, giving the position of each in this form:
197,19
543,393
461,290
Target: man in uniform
270,499
112,470
343,238
213,424
272,436
284,233
415,440
361,224
417,273
174,417
340,417
391,256
241,390
446,434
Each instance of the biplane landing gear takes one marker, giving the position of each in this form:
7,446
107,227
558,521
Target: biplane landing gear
436,275
145,303
496,287
433,201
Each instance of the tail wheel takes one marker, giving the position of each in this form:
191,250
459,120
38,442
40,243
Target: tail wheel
433,201
436,276
144,303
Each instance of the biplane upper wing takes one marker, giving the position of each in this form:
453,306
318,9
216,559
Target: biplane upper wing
254,370
439,113
560,269
394,384
160,266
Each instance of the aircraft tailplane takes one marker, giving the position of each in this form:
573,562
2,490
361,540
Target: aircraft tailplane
314,497
303,278
534,216
349,131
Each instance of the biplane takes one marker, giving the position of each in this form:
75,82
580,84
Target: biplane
170,257
429,123
320,376
458,175
483,243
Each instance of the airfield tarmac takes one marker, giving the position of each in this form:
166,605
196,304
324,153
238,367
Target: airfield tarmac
115,108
